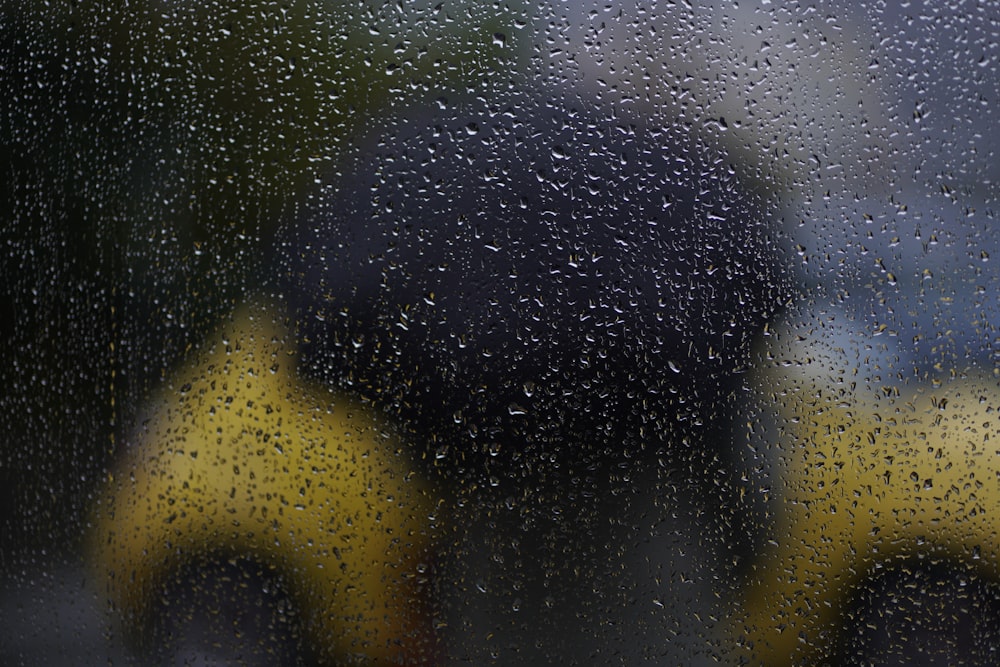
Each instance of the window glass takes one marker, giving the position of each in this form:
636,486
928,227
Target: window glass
507,333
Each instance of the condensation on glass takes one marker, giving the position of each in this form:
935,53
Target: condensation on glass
506,333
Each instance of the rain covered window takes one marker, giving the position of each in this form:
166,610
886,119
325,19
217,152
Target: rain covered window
499,333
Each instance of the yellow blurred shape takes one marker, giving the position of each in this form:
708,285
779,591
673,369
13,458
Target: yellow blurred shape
870,482
242,457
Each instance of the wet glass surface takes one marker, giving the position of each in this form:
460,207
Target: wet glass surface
505,333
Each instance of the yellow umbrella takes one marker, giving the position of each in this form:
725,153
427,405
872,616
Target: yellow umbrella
242,457
868,482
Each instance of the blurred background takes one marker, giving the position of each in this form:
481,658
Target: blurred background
594,266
